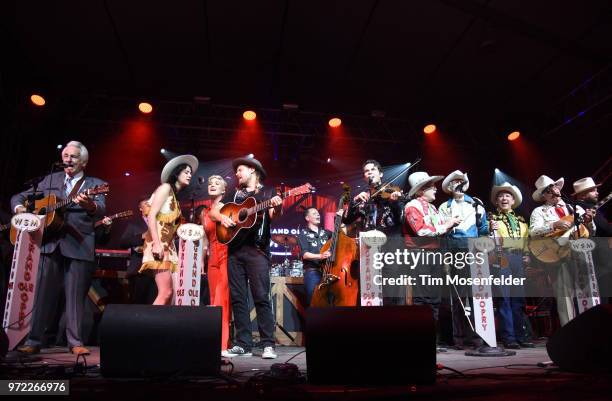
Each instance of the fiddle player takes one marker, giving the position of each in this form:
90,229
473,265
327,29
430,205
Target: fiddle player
384,214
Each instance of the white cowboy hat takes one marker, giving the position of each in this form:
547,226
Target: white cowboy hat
544,182
584,184
418,179
455,175
190,160
507,187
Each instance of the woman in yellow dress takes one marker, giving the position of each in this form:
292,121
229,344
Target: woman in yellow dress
159,253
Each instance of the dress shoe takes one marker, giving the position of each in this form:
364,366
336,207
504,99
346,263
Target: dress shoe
512,345
29,349
79,350
526,344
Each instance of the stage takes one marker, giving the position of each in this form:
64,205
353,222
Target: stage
480,378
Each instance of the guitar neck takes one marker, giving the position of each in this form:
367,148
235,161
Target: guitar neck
266,204
603,201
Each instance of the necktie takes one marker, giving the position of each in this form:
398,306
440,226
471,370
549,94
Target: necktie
560,211
67,186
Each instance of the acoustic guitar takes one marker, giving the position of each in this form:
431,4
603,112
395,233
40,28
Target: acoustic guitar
555,246
49,209
248,213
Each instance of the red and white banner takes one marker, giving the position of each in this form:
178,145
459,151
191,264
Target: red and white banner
186,280
370,243
22,279
482,296
587,289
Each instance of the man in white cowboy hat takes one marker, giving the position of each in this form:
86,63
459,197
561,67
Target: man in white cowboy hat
511,233
545,220
470,211
248,264
422,229
587,196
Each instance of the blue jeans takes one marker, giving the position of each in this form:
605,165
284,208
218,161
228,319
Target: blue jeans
312,278
512,301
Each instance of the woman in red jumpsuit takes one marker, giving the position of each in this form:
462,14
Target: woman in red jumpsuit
217,261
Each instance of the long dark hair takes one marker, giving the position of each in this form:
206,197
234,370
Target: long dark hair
173,178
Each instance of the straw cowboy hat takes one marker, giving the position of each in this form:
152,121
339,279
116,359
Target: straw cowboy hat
419,179
250,162
544,182
507,187
584,184
455,175
190,160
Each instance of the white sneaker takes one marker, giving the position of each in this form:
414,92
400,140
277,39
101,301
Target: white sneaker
238,351
226,354
268,353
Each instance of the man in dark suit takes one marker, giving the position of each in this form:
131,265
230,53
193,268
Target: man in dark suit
143,289
67,256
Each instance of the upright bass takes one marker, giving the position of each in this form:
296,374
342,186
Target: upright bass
339,284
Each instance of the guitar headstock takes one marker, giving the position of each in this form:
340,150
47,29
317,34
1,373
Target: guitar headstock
301,190
98,189
127,213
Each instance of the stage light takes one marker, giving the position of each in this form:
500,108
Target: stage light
250,155
513,135
162,151
429,128
38,100
249,115
127,174
496,170
329,159
145,107
60,146
335,122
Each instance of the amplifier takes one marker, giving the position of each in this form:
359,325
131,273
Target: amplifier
114,259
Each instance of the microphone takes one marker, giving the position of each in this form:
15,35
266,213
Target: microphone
201,180
61,165
459,188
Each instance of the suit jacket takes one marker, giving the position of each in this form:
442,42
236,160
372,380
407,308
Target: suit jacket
76,239
132,238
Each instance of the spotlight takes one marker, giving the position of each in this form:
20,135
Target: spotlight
329,159
127,174
249,115
429,129
250,155
145,107
496,170
335,122
59,146
38,100
513,135
162,151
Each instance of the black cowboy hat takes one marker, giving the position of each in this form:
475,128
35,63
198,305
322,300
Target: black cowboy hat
250,162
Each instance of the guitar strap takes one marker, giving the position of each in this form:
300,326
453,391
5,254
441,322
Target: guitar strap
76,187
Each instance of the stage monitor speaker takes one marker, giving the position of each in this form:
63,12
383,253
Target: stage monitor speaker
389,345
151,340
583,344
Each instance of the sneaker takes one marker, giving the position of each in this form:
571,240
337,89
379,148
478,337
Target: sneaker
226,354
238,351
268,353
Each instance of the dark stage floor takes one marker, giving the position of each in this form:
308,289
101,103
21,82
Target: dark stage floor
499,378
